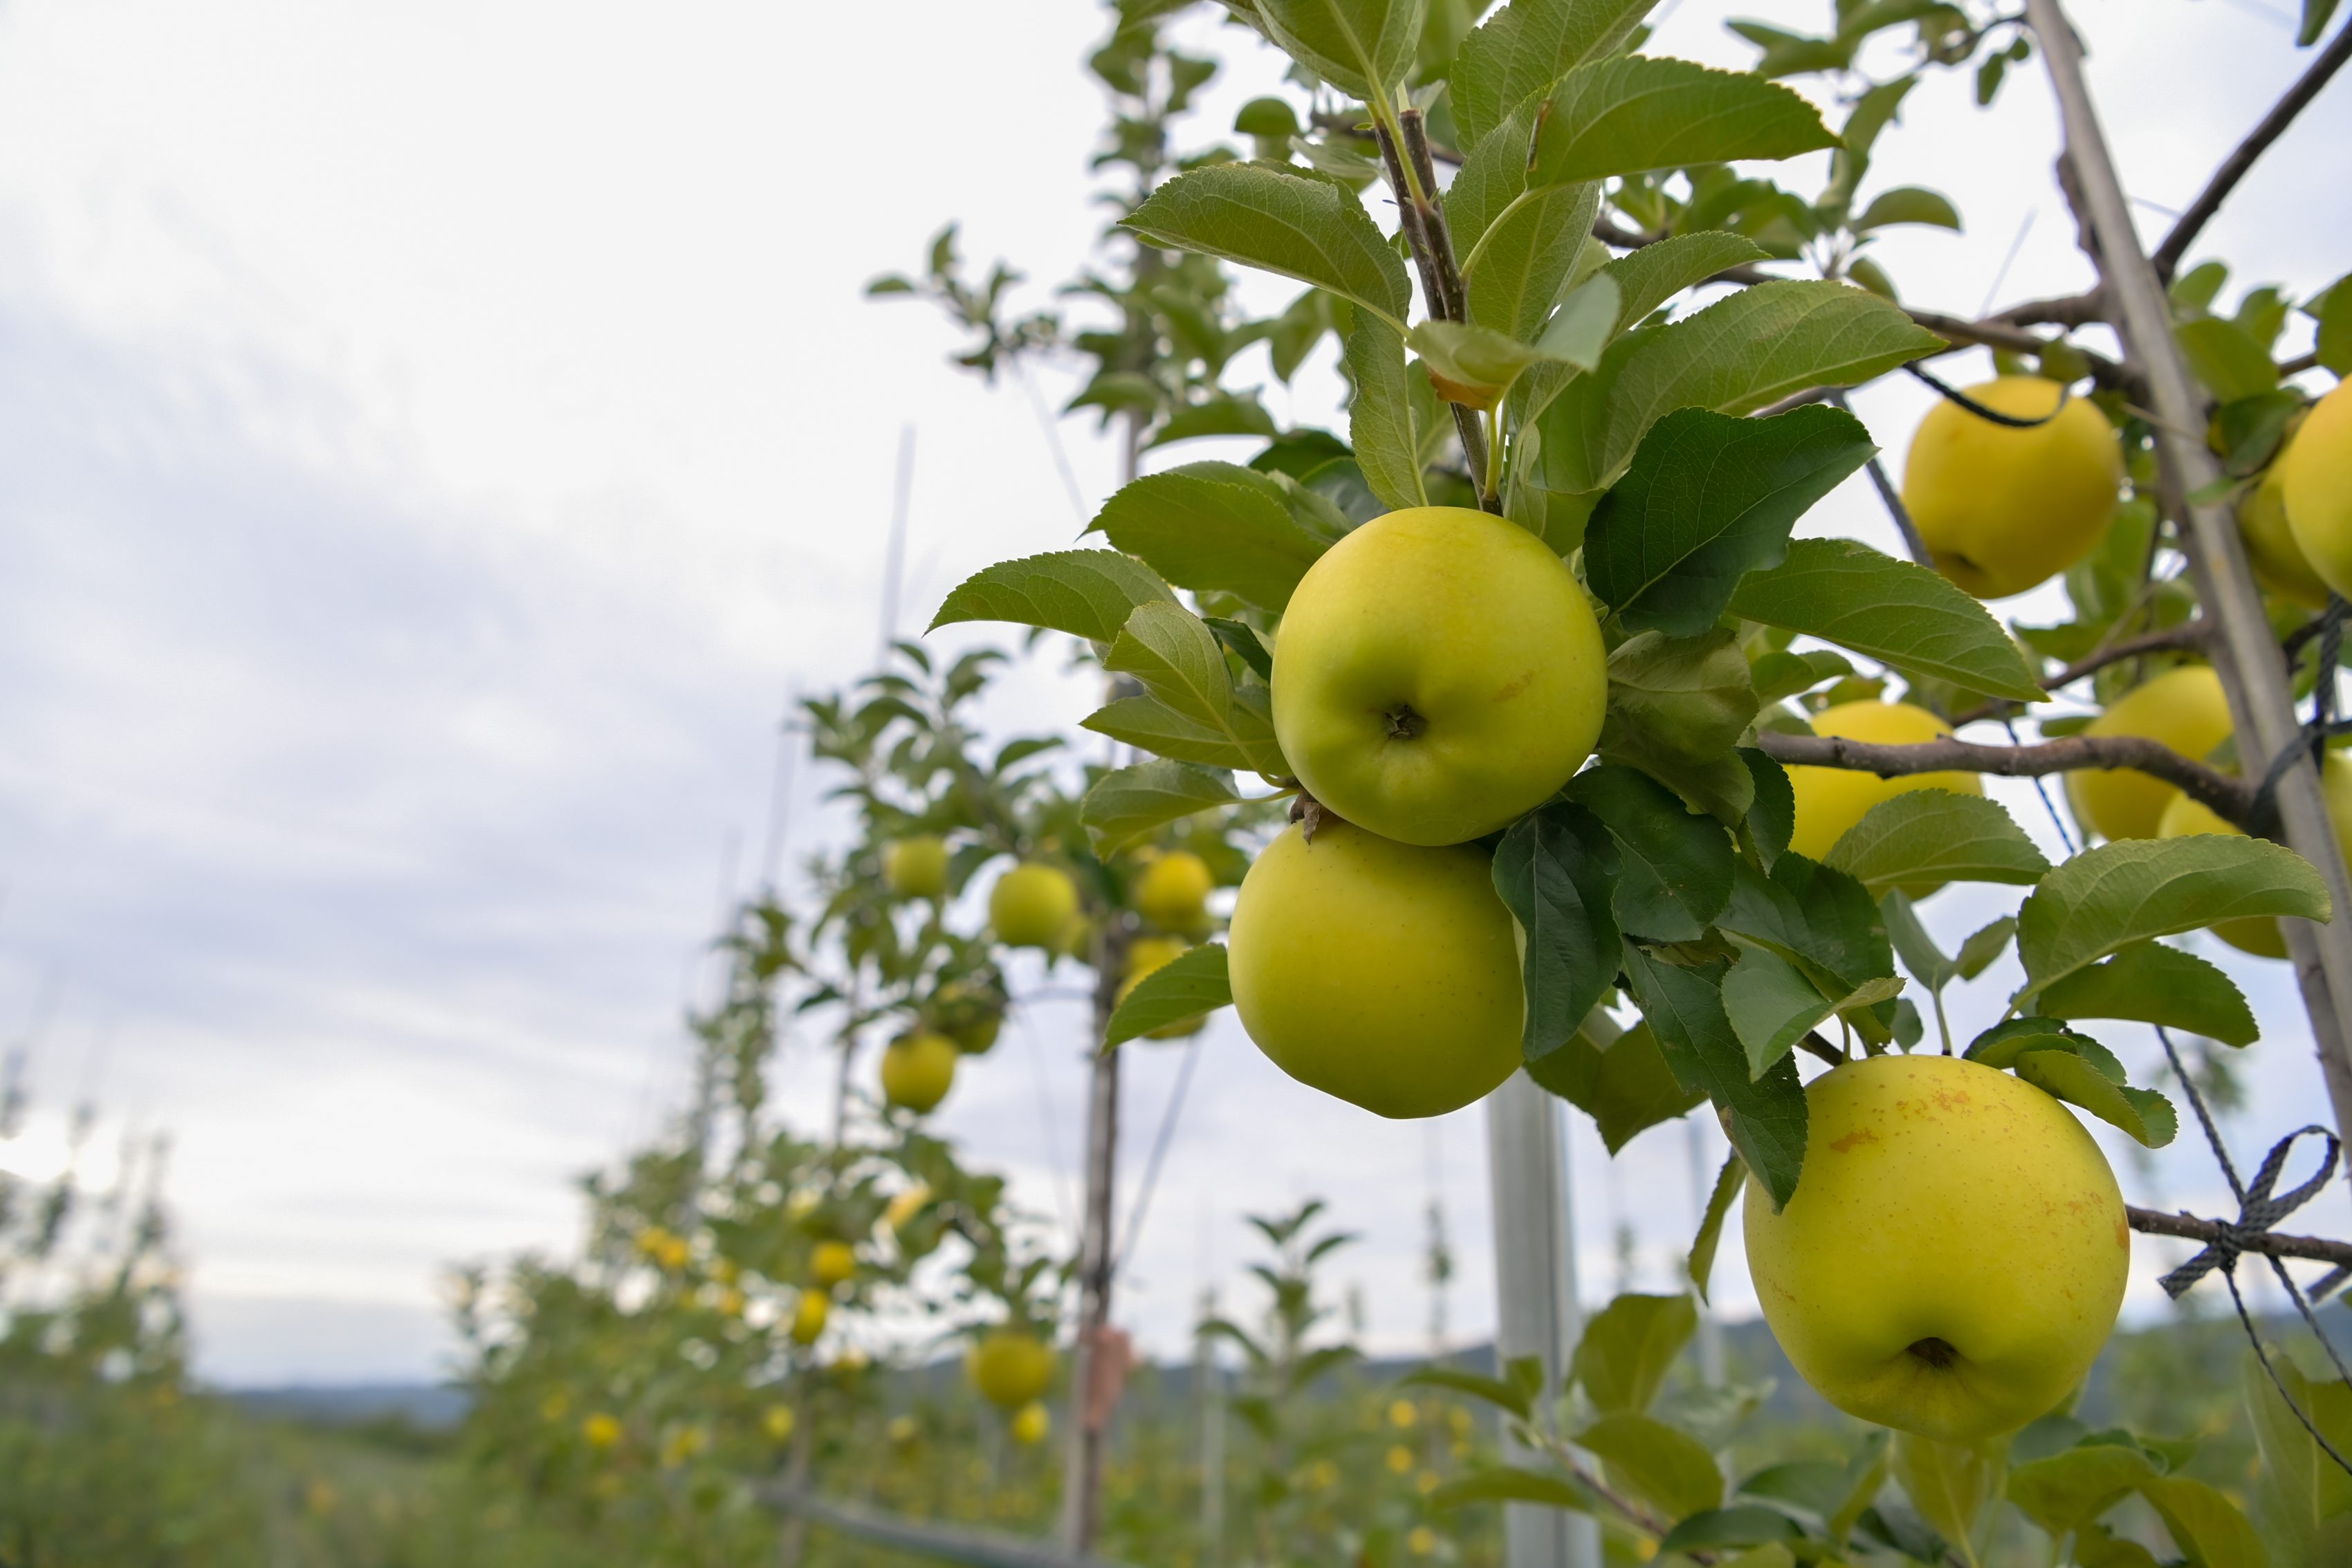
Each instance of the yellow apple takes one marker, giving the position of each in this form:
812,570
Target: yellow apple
1009,1366
1032,1426
1831,799
2259,935
917,1070
1173,892
2318,488
916,867
1385,974
2278,561
1438,673
809,1315
1146,954
1955,1252
2182,708
1030,904
968,1012
2002,509
831,1263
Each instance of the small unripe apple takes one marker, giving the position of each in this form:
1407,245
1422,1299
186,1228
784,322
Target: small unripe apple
2258,934
2185,709
831,1262
1830,801
1032,1426
809,1316
2001,508
1030,904
1385,974
1955,1252
917,867
1173,892
1009,1366
1146,954
918,1069
1438,675
2317,487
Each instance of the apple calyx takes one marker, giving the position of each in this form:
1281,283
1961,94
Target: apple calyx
1937,1353
1403,722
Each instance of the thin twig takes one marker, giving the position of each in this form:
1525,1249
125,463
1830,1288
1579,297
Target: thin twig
2188,635
1893,500
2231,799
2066,311
2188,1228
1424,222
2241,159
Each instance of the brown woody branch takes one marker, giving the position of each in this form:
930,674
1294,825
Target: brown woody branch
2231,799
2188,1228
2171,639
2234,168
2066,311
1424,222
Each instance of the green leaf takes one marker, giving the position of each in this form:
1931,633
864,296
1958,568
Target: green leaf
2315,22
1923,838
1214,526
1493,1390
1908,205
1648,277
1553,871
1949,1483
1771,819
2076,1485
2000,1046
1088,594
1272,216
1689,696
1671,1470
1127,803
1728,1182
1580,330
1784,674
2226,358
1474,366
1844,592
1754,348
1623,1083
1708,499
1772,1005
2300,1488
2108,897
2150,983
1674,867
1381,417
1747,1524
1187,985
1526,47
1219,414
1507,1483
1765,1118
1627,1348
1242,641
1361,46
2072,1077
1244,741
2332,309
2204,1524
1632,113
1526,257
1180,661
1813,914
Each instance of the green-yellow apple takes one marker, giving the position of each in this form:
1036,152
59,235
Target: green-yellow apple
1438,673
1146,954
2318,487
916,867
969,1013
1831,799
1385,974
1954,1254
1031,904
2001,508
1032,1426
918,1069
831,1262
1009,1366
1172,893
2182,708
2278,561
2259,935
809,1316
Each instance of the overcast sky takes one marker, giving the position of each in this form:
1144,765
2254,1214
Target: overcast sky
433,441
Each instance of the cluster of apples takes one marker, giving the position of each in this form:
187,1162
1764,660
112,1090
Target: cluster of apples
1011,1368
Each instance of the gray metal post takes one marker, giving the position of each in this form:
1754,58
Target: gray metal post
1536,1310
